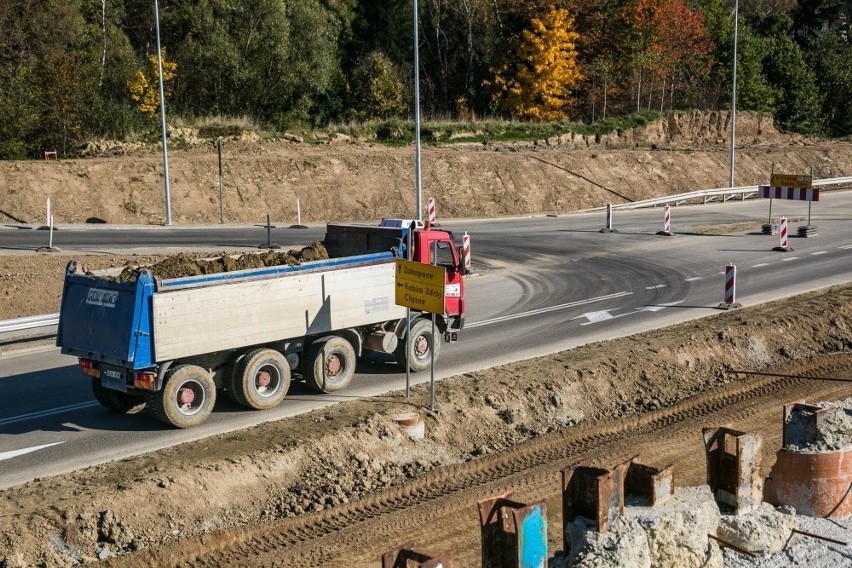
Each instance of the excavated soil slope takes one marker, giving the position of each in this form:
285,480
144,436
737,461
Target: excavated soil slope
358,180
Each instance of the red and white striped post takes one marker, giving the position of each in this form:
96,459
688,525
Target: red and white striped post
431,209
667,222
466,252
782,229
730,288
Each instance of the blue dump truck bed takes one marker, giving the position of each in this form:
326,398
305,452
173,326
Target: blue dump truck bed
118,322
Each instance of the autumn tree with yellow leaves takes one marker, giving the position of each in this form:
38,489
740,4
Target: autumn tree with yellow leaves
145,89
541,71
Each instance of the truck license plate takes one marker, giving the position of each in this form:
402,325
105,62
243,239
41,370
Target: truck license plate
113,378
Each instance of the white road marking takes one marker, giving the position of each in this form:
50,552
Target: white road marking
595,317
819,252
789,258
604,315
43,413
658,307
545,310
693,279
845,247
655,287
22,451
762,264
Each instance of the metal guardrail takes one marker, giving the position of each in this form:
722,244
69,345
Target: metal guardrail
725,193
31,322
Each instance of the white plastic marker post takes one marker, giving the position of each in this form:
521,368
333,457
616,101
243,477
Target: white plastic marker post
608,228
50,240
298,213
730,288
431,208
466,251
47,219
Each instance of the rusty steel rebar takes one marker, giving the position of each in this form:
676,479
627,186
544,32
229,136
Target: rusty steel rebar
732,546
820,537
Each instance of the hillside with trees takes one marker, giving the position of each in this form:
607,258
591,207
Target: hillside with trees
76,70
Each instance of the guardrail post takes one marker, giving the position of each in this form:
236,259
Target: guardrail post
269,226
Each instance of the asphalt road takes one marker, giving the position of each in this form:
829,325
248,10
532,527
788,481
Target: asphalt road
541,285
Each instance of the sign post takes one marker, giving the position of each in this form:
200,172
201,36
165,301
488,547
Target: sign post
793,187
420,287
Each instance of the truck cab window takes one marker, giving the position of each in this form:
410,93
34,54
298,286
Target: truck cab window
445,255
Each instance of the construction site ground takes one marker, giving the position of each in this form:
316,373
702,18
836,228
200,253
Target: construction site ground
340,486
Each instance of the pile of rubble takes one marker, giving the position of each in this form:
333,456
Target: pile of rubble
798,516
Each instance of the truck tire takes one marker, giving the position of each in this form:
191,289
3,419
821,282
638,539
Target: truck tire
330,364
115,400
260,380
419,357
187,397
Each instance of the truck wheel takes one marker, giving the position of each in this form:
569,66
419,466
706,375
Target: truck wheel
117,401
330,364
187,397
261,379
419,357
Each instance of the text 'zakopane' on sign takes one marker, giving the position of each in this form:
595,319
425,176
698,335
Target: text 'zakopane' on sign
420,286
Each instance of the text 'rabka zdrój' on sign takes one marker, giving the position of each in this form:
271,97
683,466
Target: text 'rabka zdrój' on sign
420,286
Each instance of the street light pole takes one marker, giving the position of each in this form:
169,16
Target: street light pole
734,94
417,168
163,116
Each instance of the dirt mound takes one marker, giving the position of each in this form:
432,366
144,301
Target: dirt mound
362,181
181,264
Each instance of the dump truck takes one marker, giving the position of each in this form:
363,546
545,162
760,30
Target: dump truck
173,343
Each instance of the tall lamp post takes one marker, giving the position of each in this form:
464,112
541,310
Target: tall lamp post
163,115
734,94
417,182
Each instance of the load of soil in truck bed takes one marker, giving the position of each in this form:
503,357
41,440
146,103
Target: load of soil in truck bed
181,265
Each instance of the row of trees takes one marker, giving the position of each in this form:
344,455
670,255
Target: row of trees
71,70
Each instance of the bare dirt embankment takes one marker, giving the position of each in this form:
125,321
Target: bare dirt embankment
358,180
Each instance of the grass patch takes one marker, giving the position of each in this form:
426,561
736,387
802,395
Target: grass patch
399,132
